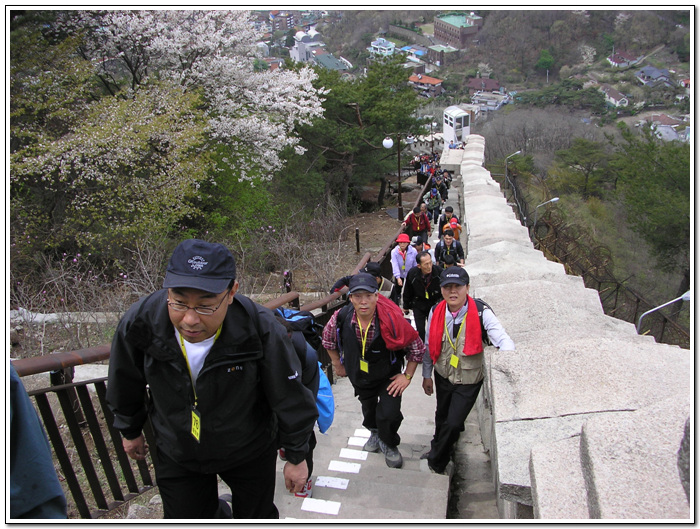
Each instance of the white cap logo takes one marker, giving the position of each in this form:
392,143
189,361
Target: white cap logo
197,262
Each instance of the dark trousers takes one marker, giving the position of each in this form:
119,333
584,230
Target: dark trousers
193,496
420,316
434,215
381,411
454,402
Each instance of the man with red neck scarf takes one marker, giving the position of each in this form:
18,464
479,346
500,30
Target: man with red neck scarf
455,350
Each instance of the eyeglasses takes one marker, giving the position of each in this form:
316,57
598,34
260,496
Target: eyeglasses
203,311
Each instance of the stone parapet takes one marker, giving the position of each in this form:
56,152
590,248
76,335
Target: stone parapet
586,413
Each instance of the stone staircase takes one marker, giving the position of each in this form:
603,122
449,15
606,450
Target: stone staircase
587,418
357,485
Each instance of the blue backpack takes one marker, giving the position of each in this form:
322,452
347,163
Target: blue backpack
303,326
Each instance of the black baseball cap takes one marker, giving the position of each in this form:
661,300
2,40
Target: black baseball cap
202,265
362,281
454,275
373,269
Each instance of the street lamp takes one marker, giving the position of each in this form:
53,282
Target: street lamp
534,224
388,143
684,297
432,136
506,164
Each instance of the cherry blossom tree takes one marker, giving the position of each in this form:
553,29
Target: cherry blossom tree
115,114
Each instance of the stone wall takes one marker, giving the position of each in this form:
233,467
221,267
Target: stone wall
586,418
410,36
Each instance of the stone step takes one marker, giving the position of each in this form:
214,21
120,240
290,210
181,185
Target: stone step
413,490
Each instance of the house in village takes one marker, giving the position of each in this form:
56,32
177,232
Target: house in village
622,59
382,47
483,84
654,77
490,101
415,53
439,54
425,85
613,97
308,47
667,128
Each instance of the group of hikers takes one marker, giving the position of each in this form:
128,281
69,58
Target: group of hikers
228,386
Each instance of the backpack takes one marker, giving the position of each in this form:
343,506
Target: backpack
480,304
303,320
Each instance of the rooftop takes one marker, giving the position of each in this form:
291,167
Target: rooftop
460,20
424,79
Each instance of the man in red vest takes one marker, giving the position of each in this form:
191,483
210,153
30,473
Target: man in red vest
456,328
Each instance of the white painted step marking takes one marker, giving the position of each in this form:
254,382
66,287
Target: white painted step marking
331,482
349,453
342,466
320,506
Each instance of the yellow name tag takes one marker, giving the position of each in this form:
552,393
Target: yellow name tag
426,295
454,361
364,366
196,424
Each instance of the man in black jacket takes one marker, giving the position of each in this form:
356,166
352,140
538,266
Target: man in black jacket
422,290
449,246
224,390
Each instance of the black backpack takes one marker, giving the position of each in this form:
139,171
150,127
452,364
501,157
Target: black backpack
480,304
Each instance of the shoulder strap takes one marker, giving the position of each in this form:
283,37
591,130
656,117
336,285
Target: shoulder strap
249,306
339,322
480,305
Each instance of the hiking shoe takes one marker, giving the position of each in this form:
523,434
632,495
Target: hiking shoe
306,491
282,453
392,456
372,444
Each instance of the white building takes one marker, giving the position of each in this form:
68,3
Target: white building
383,47
305,44
456,124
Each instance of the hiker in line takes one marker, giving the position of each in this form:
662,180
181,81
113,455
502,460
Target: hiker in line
368,342
449,246
417,223
403,258
433,202
224,390
457,327
422,290
384,285
446,218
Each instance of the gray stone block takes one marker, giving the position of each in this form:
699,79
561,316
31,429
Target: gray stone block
558,488
583,376
535,304
630,462
513,442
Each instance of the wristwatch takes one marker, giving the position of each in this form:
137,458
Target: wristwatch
408,377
